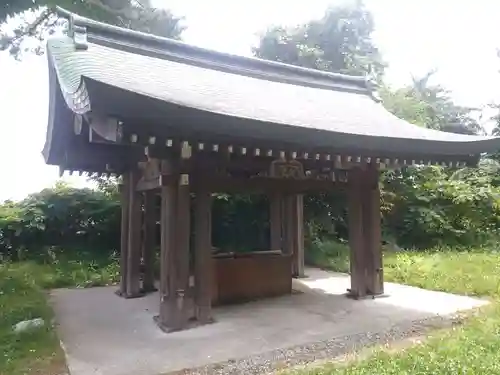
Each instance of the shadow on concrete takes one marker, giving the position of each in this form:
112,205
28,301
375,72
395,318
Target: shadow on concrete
104,334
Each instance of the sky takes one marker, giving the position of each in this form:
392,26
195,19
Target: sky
459,38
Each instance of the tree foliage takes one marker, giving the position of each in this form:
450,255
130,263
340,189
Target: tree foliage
338,42
426,206
421,206
60,216
430,106
30,19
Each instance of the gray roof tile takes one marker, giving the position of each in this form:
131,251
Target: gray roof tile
242,87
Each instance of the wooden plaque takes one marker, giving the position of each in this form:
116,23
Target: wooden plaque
288,169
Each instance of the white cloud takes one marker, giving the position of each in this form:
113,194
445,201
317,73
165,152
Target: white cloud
23,110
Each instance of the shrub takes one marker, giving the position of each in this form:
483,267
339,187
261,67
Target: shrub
60,216
421,207
425,207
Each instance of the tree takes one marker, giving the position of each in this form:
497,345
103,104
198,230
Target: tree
32,18
496,129
339,42
404,104
60,216
430,106
496,117
421,206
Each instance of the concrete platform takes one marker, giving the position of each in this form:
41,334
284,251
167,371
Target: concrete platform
106,335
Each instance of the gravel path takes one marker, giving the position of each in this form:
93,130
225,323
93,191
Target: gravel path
268,363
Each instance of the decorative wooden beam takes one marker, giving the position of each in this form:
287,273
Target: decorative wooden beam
94,137
154,177
90,170
101,157
155,173
150,172
351,157
104,129
159,152
229,184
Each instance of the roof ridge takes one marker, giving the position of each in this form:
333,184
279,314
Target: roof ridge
161,47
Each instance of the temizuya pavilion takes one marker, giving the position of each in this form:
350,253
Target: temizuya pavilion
183,122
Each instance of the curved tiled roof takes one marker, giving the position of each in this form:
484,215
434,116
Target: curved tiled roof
335,107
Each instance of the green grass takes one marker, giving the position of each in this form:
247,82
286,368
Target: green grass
472,348
474,273
23,296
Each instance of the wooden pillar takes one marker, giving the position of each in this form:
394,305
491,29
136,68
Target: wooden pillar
175,238
288,224
124,192
275,222
133,287
365,233
203,263
356,237
181,258
373,233
149,241
298,235
167,249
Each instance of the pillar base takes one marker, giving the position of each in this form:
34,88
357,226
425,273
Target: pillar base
149,289
353,295
119,293
192,323
208,321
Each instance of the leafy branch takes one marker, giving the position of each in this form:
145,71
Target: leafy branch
130,14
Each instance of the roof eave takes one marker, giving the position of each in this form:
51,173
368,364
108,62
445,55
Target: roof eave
277,133
146,44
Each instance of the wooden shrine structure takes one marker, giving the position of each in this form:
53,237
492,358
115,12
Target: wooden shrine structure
180,123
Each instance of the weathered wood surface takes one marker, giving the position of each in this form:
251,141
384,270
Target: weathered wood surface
133,288
356,237
275,220
167,249
373,235
298,236
125,194
149,241
252,277
203,263
365,234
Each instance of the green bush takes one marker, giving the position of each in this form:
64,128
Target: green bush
61,216
422,207
328,254
240,222
428,206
